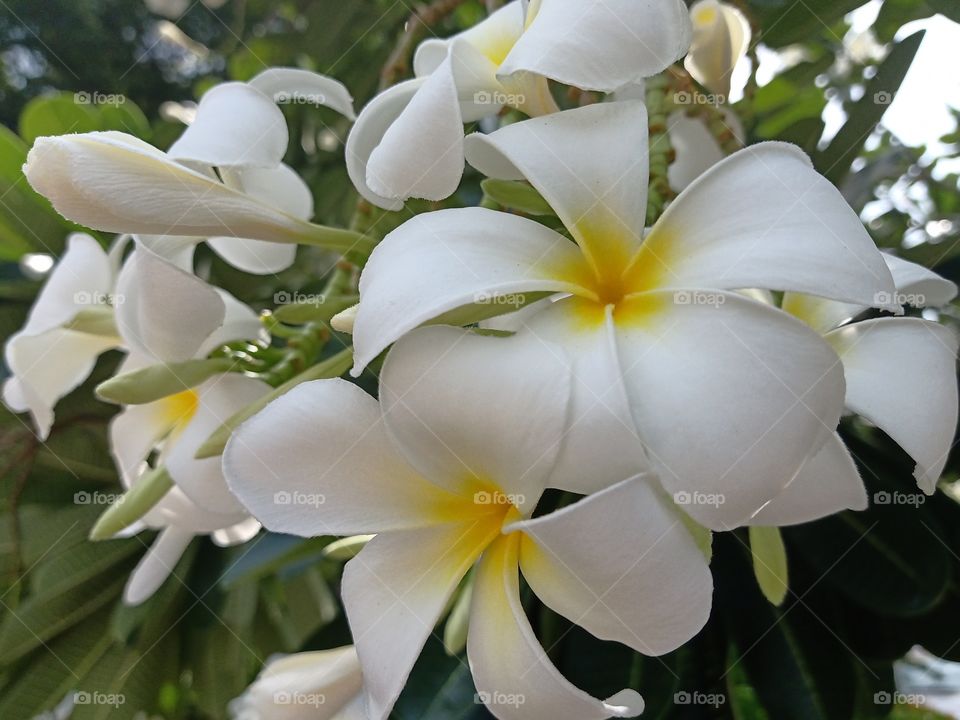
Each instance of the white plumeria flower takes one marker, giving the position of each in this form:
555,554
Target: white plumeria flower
323,685
223,180
917,409
170,316
448,468
408,141
661,343
721,36
69,326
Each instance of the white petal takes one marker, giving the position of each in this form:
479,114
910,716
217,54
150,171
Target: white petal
133,434
242,532
721,35
827,483
47,367
176,249
437,262
114,182
282,83
202,480
600,443
601,45
697,150
590,164
375,119
621,564
901,375
162,311
394,591
240,322
513,675
81,279
319,684
449,396
318,461
280,187
752,389
156,565
921,286
764,218
236,126
421,153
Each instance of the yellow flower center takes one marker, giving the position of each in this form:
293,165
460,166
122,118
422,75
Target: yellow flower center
178,410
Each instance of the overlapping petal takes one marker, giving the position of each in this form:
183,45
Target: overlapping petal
600,45
754,390
511,670
901,375
621,564
499,432
827,483
347,481
438,262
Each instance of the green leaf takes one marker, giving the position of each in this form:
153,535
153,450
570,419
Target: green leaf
862,117
42,617
785,22
315,312
58,114
769,562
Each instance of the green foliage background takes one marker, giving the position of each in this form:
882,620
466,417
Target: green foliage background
864,588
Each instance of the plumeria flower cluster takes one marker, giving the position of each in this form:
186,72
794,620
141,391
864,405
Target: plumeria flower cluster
666,379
